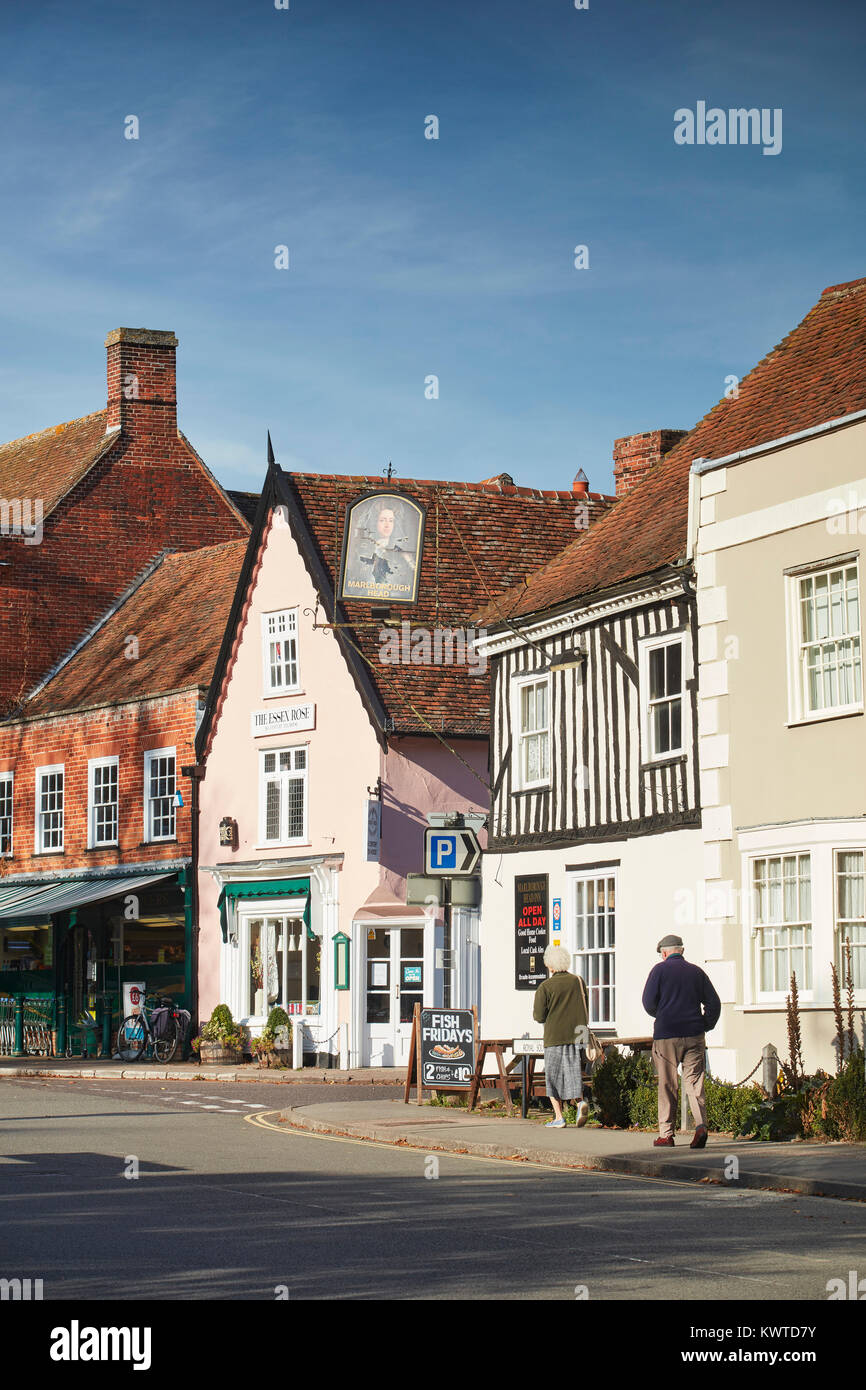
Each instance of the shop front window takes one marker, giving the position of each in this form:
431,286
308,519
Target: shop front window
284,965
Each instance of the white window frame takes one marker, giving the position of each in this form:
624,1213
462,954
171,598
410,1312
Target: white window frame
805,993
518,685
291,616
237,987
838,930
798,711
823,842
92,765
645,647
596,875
283,776
10,778
46,770
149,837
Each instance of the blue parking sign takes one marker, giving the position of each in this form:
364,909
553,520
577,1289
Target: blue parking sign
443,852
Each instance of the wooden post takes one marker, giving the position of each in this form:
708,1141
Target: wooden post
414,1061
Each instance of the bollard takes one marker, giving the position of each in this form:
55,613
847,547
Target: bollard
684,1107
106,1028
18,1046
61,1025
770,1074
344,1047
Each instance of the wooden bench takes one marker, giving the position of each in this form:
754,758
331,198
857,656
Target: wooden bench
506,1079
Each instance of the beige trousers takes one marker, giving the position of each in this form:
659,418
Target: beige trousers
667,1054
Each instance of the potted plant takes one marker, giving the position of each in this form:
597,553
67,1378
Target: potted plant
222,1040
272,1046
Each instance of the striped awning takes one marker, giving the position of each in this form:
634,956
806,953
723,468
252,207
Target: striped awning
40,900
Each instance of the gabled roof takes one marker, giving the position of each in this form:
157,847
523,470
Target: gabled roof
246,503
177,614
816,374
480,538
50,463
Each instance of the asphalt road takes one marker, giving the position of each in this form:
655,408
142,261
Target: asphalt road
223,1207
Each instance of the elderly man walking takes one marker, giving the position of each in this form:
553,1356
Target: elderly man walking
681,999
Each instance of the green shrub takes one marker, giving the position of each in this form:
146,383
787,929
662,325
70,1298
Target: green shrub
277,1018
625,1090
644,1100
729,1106
221,1027
846,1099
835,1107
779,1118
614,1084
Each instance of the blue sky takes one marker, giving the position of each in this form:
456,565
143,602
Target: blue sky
411,257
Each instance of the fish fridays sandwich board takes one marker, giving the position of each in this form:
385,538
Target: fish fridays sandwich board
442,1050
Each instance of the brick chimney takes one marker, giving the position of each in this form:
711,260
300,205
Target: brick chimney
142,381
635,453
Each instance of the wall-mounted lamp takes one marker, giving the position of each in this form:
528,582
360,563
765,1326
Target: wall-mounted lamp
228,833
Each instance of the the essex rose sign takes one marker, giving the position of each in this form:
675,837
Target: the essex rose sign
287,719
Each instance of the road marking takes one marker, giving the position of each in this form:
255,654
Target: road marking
528,1165
230,1100
262,1122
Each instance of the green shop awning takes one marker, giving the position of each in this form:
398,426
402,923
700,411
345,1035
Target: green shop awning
264,888
40,900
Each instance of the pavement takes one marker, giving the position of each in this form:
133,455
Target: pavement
812,1169
15,1068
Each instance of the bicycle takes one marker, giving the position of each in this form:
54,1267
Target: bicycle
137,1033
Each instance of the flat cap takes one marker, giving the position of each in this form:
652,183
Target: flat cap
668,943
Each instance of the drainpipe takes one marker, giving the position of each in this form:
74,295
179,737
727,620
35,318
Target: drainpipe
195,772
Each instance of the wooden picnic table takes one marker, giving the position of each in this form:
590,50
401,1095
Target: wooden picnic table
505,1080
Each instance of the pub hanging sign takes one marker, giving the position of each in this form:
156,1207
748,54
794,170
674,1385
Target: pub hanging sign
382,545
530,930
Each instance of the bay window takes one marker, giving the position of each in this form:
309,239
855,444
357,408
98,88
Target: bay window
782,917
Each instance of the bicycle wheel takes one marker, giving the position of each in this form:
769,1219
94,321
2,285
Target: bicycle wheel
131,1038
165,1046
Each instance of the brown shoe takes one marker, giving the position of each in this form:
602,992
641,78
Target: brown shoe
664,1143
700,1139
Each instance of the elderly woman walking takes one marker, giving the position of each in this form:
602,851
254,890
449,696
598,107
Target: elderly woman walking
560,1004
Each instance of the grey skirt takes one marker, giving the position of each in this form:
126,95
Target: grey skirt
562,1072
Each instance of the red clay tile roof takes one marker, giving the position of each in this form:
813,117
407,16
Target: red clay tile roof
178,615
816,374
50,463
480,538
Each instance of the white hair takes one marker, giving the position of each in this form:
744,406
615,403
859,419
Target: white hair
556,958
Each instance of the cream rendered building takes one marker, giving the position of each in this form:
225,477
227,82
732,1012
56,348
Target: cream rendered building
777,534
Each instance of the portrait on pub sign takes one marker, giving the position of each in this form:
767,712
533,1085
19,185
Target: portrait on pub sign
382,548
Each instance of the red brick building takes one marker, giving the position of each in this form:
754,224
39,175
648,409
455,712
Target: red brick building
85,506
96,888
